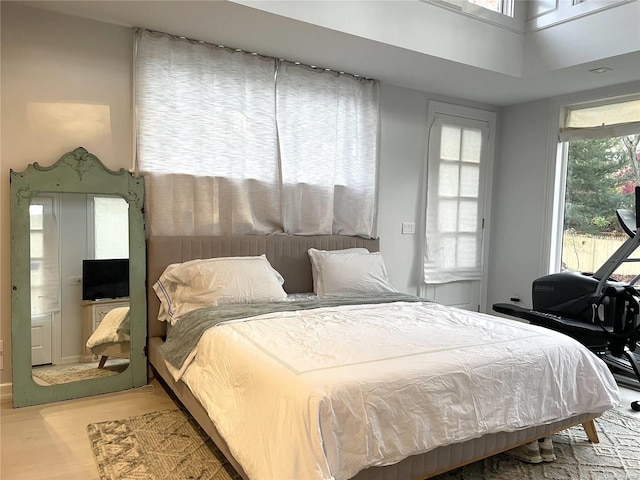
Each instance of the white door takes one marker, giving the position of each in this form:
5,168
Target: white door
459,163
41,339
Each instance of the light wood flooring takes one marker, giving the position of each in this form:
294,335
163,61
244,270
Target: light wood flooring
50,441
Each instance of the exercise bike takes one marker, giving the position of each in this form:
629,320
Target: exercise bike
599,312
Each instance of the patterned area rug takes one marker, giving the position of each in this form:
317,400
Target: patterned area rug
166,445
169,445
83,371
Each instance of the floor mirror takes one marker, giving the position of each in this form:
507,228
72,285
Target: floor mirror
78,325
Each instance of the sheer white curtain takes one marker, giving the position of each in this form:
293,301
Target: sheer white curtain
328,127
206,138
218,159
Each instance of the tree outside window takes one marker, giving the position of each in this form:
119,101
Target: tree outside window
601,177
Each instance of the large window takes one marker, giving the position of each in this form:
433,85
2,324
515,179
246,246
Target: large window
601,177
603,168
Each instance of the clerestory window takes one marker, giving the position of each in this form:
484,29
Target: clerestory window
505,7
478,8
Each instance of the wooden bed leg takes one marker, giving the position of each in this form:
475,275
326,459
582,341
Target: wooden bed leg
590,430
103,360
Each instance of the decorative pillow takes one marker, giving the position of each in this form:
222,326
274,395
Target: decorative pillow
349,273
314,259
215,281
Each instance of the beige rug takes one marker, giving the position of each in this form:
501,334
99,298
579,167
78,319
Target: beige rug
54,375
168,445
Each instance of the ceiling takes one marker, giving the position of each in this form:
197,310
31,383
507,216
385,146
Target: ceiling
250,29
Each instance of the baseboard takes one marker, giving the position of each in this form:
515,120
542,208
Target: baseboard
6,392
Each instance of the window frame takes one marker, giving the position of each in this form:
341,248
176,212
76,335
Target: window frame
553,218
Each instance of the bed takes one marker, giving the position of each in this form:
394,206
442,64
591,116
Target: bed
111,337
319,434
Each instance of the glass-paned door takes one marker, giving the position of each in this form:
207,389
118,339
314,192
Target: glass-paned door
460,142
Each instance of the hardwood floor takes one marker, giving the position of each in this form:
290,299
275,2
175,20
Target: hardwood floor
50,441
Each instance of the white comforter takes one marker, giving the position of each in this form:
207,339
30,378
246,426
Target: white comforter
322,394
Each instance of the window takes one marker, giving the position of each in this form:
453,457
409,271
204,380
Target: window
110,229
505,7
602,158
479,8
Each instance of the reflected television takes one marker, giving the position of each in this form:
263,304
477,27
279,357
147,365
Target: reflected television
105,278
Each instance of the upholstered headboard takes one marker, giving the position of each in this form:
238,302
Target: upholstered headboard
287,253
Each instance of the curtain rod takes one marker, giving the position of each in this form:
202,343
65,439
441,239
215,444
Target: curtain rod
268,57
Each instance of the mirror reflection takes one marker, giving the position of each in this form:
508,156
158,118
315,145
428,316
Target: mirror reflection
79,269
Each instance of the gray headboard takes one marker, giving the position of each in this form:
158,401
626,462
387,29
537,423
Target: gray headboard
287,254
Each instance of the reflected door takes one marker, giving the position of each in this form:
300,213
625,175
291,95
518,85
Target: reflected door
41,340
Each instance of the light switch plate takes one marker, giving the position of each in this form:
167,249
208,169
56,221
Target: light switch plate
408,228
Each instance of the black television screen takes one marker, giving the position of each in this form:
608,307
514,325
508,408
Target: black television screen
105,278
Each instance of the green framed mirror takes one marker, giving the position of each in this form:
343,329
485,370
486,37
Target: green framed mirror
58,215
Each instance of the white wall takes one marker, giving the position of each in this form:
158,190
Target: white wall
524,177
403,128
520,200
599,36
65,82
416,26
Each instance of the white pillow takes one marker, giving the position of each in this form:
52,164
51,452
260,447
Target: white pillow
215,281
314,259
349,273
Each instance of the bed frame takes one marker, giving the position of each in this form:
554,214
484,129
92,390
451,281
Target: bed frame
288,255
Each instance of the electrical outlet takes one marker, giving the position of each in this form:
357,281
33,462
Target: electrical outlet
408,228
75,280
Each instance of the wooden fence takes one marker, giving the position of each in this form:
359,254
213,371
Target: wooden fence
587,253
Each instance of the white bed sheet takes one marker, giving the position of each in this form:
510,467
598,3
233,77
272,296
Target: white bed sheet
108,330
323,394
